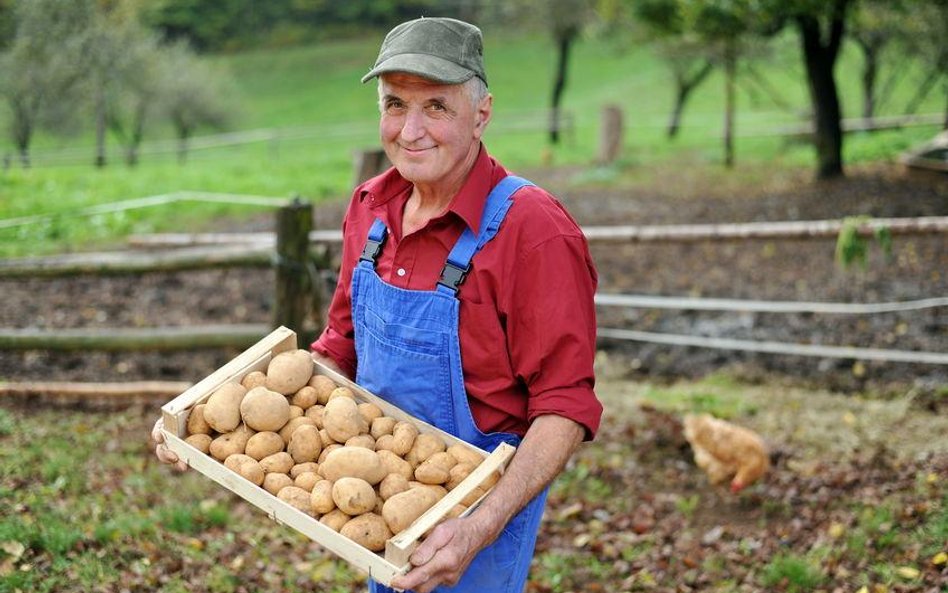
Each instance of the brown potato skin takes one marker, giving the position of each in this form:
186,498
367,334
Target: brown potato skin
201,442
401,510
296,497
305,444
246,466
289,371
368,530
353,496
280,463
222,409
264,444
342,420
196,422
353,462
264,410
321,497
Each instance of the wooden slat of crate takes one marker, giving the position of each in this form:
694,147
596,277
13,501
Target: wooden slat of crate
256,358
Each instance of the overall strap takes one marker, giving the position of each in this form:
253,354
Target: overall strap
373,244
458,263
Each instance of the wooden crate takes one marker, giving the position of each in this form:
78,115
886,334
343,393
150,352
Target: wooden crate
382,568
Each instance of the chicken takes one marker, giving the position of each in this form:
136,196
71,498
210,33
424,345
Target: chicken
724,450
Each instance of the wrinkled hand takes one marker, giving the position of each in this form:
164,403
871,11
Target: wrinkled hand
162,452
443,557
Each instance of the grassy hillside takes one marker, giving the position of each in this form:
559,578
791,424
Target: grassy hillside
313,93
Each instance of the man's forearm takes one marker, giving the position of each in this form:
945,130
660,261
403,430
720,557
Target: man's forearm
541,456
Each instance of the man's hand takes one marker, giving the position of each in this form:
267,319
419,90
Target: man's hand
444,556
162,452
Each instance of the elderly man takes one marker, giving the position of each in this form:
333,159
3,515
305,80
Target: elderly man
465,297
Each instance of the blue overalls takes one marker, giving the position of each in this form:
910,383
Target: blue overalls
409,353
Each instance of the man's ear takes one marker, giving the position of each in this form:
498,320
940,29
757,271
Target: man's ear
485,109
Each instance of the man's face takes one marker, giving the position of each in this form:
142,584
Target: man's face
431,132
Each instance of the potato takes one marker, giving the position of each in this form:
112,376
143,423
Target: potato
341,392
425,446
457,475
362,440
287,431
289,371
196,422
296,497
305,444
302,468
456,511
264,444
307,480
323,386
231,442
368,530
222,410
335,519
274,482
391,485
246,466
321,497
327,449
326,439
305,397
262,409
401,509
296,412
465,455
382,426
316,413
353,496
404,434
201,442
253,379
369,412
386,442
438,490
279,463
395,464
342,420
430,472
353,462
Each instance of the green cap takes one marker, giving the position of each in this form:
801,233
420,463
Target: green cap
444,50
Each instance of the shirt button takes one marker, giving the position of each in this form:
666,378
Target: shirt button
400,271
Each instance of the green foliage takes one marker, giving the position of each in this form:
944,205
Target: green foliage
794,574
852,247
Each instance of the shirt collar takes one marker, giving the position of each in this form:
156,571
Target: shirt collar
468,204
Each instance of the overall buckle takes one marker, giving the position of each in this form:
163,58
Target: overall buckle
452,276
372,250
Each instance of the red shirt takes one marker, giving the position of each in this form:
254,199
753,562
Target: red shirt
527,320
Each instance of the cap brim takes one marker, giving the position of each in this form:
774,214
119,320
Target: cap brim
423,65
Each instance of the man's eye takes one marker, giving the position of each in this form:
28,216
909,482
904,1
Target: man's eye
392,105
436,107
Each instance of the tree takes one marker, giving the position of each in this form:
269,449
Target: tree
40,72
193,94
663,25
821,26
927,26
874,25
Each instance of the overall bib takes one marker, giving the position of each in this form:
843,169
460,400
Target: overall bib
409,353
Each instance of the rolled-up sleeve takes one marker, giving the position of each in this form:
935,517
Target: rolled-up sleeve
552,330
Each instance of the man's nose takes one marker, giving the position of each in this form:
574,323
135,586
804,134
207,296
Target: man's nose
414,126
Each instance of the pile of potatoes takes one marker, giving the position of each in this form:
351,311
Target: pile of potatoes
312,444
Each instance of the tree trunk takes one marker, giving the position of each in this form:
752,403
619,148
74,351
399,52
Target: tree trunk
183,135
22,131
869,74
564,40
730,73
685,85
138,133
820,58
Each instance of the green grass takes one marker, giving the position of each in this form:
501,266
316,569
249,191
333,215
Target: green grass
318,85
794,574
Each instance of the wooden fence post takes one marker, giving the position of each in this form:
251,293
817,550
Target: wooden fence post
295,272
610,140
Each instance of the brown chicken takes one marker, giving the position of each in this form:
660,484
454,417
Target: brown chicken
724,450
